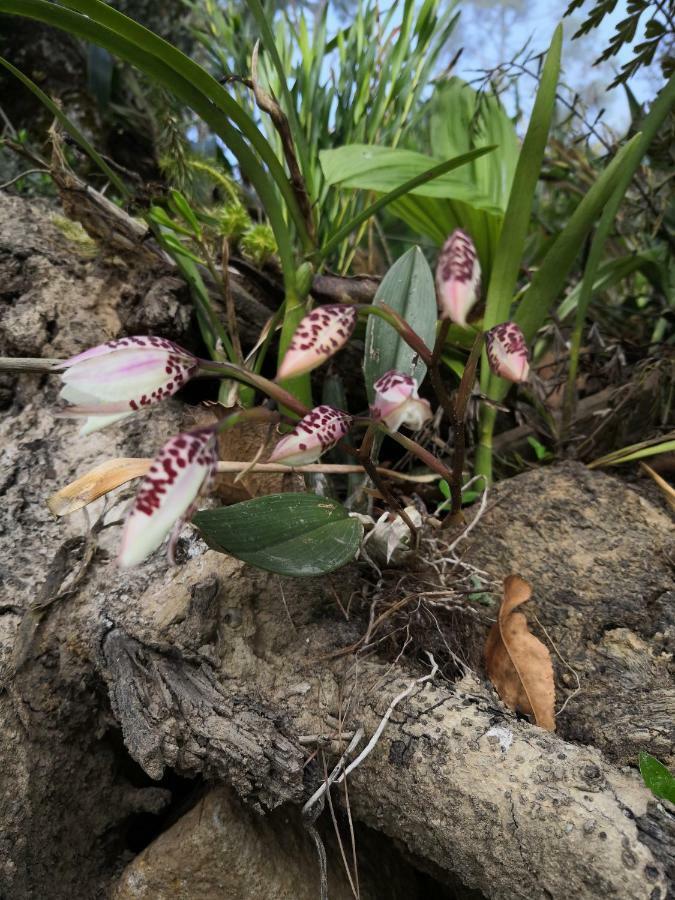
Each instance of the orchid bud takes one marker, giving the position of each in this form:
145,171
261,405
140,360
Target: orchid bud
319,431
166,495
457,277
507,352
110,382
318,336
398,403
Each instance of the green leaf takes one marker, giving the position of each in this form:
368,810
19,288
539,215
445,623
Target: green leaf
408,288
504,275
610,273
181,206
408,186
383,169
657,778
548,281
291,534
654,447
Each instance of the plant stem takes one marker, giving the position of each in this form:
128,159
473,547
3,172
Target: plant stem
459,448
399,324
230,370
483,463
413,447
363,456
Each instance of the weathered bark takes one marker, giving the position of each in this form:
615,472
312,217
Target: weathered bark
124,691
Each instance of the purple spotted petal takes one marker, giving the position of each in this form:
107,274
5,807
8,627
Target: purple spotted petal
318,336
121,376
167,493
397,402
319,431
457,277
507,352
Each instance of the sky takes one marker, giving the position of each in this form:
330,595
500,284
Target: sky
492,32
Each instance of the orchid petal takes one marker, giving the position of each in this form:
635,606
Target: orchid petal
457,277
317,432
318,336
507,352
167,492
398,403
124,375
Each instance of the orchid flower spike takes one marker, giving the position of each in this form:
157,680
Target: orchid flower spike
457,277
507,352
111,381
167,494
319,431
318,336
398,403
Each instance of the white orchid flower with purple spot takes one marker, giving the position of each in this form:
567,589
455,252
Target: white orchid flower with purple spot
457,277
318,336
397,402
166,496
317,432
110,382
507,352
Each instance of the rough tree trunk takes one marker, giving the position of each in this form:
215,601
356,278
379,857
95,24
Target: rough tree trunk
126,696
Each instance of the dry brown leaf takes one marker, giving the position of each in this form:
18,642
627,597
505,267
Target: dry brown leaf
96,482
518,664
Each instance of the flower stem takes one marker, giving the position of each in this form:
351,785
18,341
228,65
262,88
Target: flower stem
399,324
459,449
230,370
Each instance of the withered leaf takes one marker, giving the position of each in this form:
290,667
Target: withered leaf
95,483
518,664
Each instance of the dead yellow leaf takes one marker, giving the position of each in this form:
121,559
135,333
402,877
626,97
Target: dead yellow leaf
518,664
96,482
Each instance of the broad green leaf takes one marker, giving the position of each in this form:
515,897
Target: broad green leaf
408,288
504,275
400,191
291,534
383,169
657,778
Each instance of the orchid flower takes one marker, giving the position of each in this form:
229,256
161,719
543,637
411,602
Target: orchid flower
317,432
166,496
507,352
457,277
110,382
318,336
397,402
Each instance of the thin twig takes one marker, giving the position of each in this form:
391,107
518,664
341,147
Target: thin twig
23,175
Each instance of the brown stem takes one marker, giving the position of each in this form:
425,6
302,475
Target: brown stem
363,456
449,408
427,458
397,322
459,449
238,373
269,105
